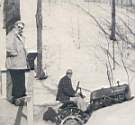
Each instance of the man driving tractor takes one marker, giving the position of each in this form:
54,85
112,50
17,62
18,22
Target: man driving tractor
72,102
66,92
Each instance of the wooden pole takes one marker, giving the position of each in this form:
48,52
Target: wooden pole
39,39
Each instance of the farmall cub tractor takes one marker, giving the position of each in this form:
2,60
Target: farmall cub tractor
69,114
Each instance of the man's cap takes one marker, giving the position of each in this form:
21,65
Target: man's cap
69,71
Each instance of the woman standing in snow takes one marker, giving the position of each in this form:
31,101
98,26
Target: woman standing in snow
16,60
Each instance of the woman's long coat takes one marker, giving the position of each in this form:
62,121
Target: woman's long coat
15,46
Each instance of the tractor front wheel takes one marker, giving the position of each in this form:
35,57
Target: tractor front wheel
71,120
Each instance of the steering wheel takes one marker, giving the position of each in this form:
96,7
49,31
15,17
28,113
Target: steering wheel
80,90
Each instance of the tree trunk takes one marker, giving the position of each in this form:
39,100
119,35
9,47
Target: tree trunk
40,73
130,2
112,36
11,13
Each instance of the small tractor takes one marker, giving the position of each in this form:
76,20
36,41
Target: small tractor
69,114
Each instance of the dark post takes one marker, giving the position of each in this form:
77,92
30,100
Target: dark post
40,73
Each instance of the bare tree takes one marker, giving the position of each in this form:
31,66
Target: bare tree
112,36
11,13
113,28
130,2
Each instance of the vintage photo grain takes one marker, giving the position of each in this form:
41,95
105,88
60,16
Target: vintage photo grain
67,62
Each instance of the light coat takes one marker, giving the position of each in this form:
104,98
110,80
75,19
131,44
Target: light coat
15,46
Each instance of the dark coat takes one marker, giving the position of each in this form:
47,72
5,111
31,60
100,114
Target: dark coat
65,90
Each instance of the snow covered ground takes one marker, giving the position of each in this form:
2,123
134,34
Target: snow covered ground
73,38
75,35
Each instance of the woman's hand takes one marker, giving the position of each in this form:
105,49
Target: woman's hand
9,54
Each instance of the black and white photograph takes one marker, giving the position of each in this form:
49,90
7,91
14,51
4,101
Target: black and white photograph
67,62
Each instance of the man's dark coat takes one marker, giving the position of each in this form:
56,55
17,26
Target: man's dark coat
65,90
